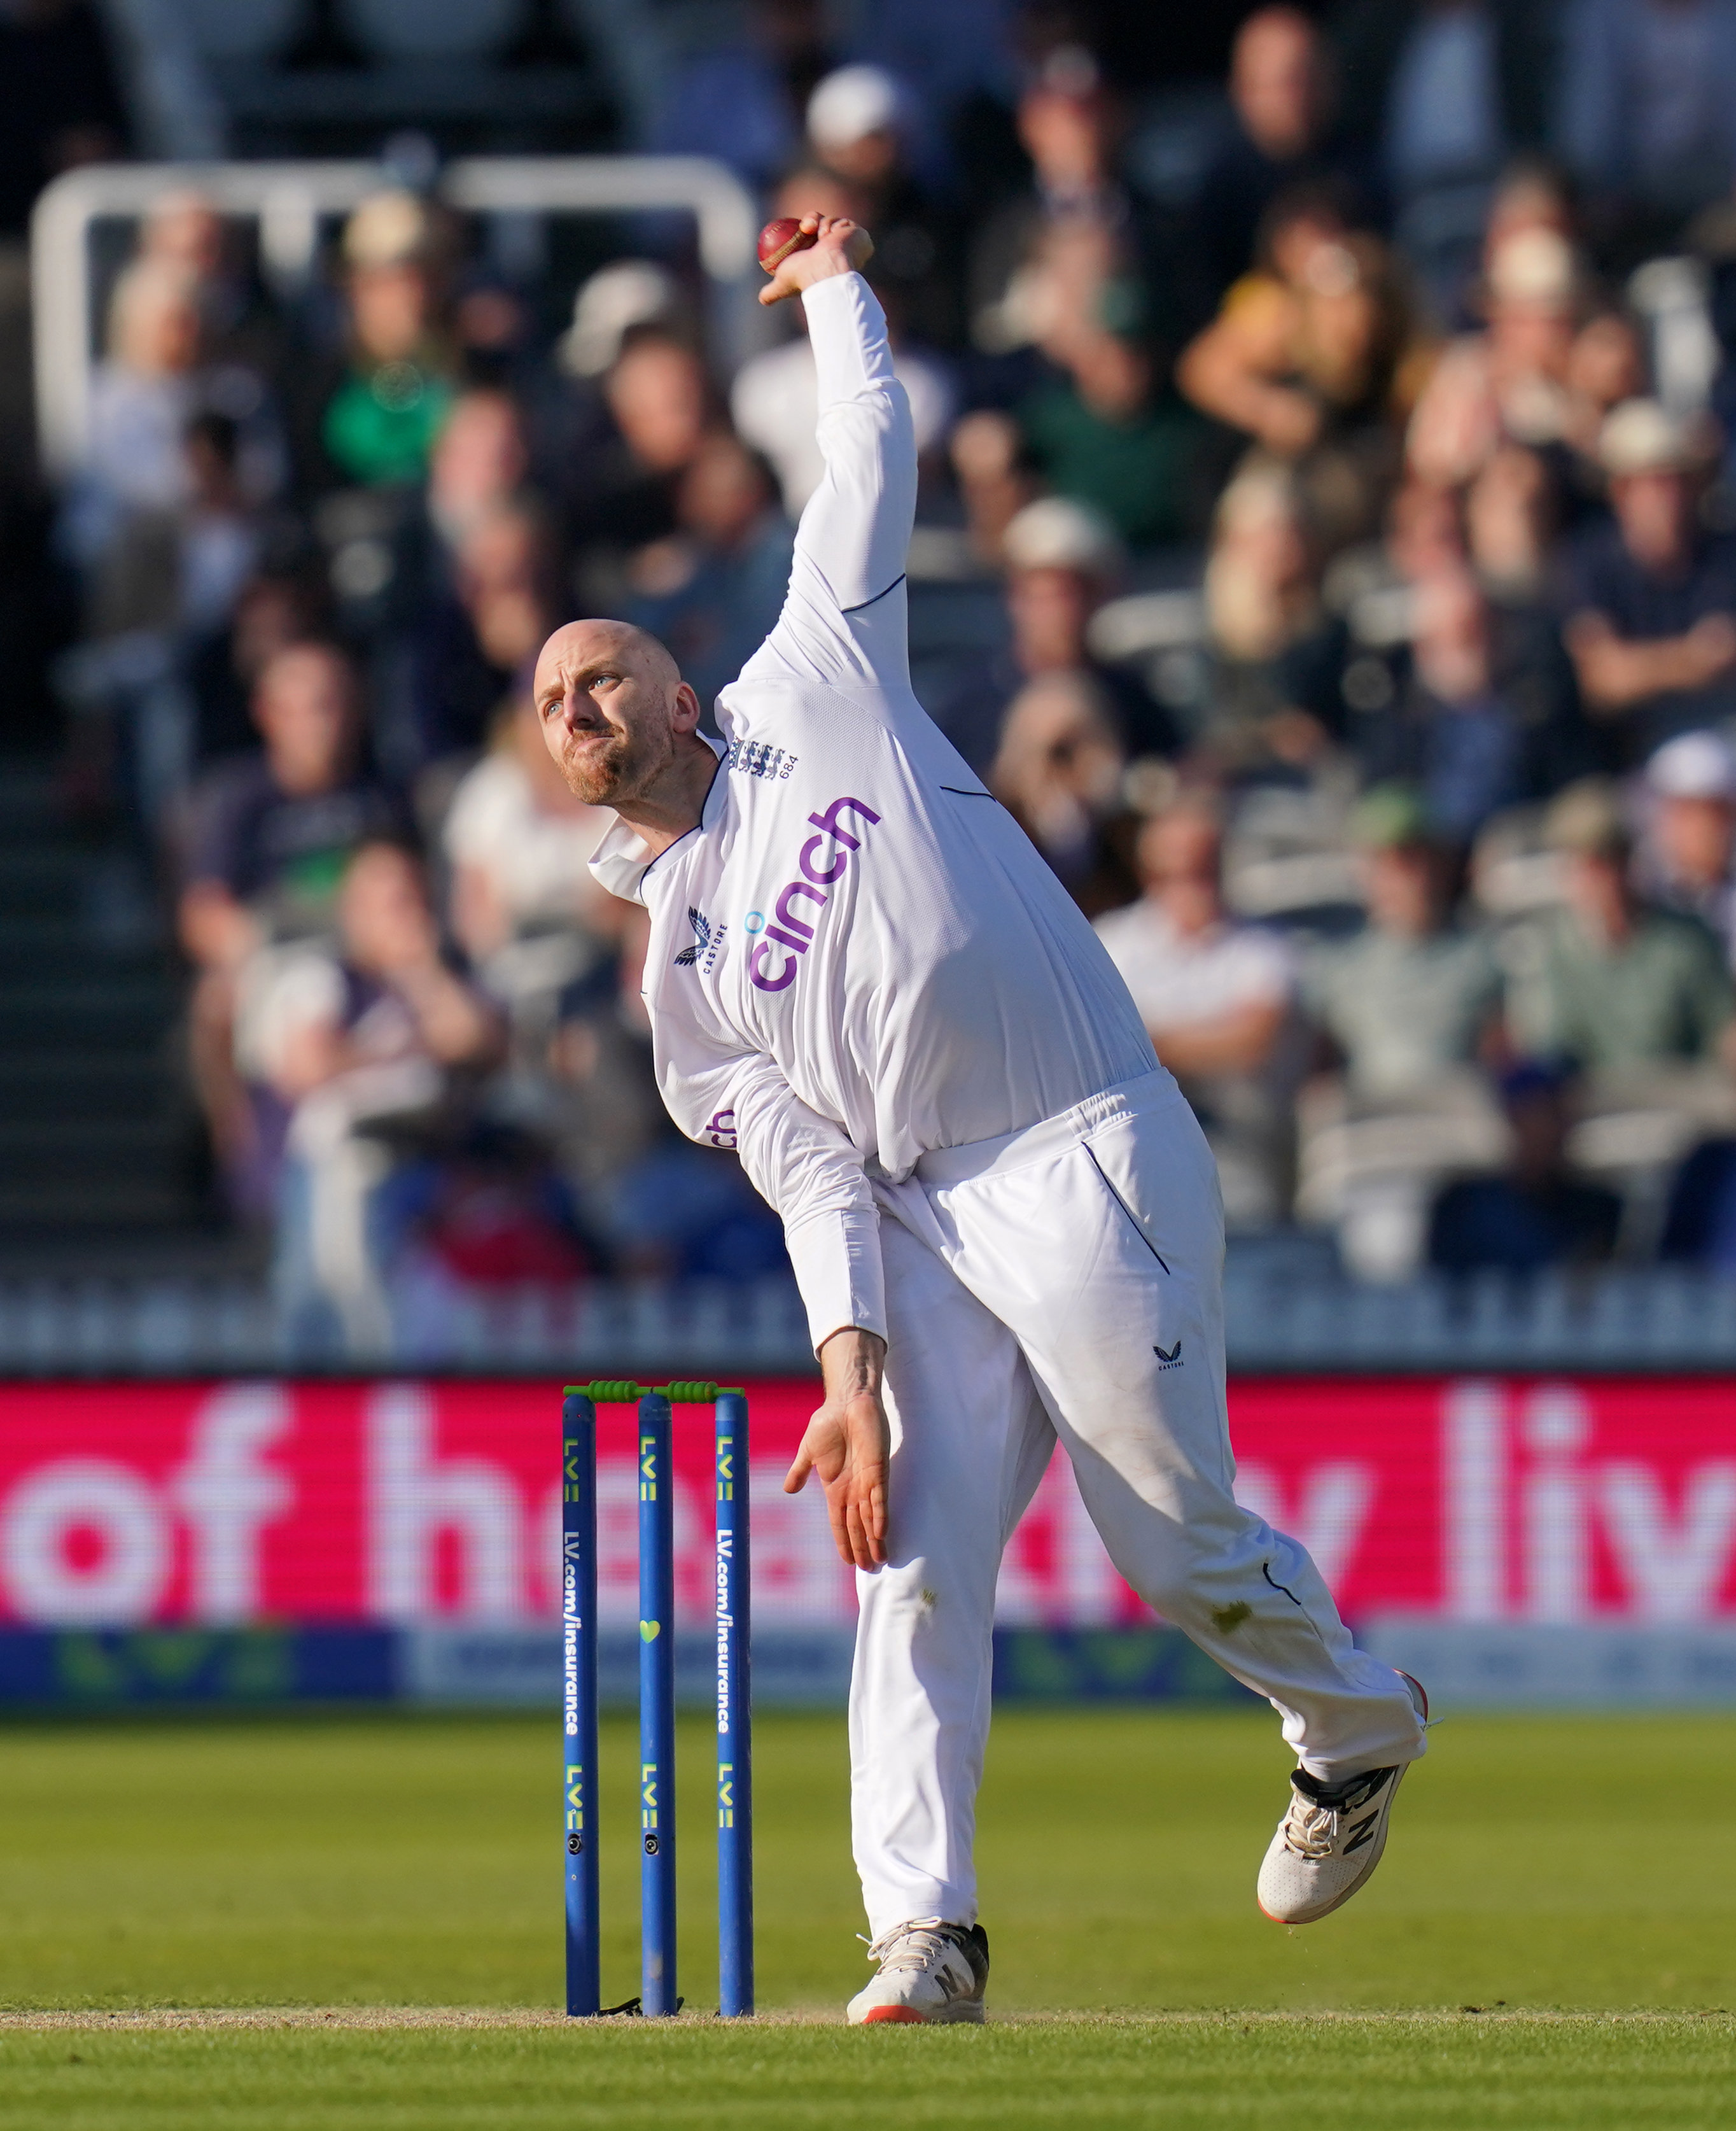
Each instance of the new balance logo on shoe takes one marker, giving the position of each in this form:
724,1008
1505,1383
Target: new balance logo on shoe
1168,1357
931,1973
1331,1836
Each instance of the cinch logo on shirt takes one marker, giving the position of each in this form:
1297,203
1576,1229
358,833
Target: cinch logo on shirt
707,944
789,931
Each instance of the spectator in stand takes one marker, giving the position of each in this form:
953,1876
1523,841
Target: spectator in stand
621,489
380,425
1447,91
479,463
186,230
713,590
274,830
775,402
365,1044
142,399
1511,531
1274,702
1648,111
271,835
1059,773
1451,736
179,572
1112,432
1650,621
595,1089
743,102
1408,1012
1063,560
1217,997
994,482
1626,992
1424,532
567,412
473,637
1536,1213
1509,382
472,572
163,590
610,304
1412,1002
274,609
1510,525
1313,354
1278,139
1684,861
859,121
1069,126
1606,367
239,326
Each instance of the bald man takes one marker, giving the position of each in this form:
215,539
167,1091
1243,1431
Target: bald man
1003,1216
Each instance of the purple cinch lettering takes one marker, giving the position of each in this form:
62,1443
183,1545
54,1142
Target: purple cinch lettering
813,844
796,933
787,917
760,980
829,820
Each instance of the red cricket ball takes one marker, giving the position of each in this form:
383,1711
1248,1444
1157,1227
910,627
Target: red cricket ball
778,239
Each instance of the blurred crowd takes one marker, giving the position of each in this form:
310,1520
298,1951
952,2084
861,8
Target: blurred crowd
1325,550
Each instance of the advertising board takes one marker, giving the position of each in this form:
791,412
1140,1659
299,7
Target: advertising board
1528,1538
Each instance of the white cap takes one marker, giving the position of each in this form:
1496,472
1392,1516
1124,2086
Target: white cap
1643,436
631,292
1693,765
1534,266
387,229
1054,532
853,102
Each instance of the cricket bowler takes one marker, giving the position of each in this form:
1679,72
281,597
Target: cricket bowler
1003,1215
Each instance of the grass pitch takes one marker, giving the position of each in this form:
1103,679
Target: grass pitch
1550,1939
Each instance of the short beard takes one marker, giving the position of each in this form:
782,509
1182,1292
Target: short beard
618,773
598,778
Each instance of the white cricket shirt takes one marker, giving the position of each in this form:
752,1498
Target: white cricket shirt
858,955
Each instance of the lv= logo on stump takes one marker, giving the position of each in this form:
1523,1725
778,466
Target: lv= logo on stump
658,1997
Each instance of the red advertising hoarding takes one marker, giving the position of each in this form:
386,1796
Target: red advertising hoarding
1476,1501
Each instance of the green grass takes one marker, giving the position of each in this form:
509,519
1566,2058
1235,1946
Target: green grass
1368,2076
1584,1864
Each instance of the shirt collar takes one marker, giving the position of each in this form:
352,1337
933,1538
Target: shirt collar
621,861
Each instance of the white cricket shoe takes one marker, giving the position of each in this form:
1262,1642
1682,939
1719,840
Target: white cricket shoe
1331,1839
930,1972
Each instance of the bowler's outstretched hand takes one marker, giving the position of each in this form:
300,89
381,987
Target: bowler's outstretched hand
848,1444
839,247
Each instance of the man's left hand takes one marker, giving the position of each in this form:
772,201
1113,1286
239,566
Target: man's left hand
848,1444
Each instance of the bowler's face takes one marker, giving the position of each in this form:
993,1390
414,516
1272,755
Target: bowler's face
605,710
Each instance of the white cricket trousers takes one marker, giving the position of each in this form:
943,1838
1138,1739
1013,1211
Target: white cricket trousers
1067,1280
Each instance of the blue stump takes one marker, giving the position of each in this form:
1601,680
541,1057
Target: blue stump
579,1699
656,1708
734,1716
